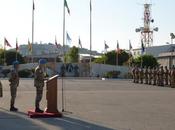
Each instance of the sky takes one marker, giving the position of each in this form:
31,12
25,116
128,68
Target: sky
112,20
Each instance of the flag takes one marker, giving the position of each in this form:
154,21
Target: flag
33,5
17,47
172,36
56,42
79,42
68,38
29,46
143,47
6,43
130,46
90,6
118,48
66,5
106,46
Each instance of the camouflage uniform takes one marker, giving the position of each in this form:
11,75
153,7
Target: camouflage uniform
137,75
166,74
161,76
158,76
1,90
39,84
169,76
14,82
133,74
173,78
149,76
154,75
141,75
146,75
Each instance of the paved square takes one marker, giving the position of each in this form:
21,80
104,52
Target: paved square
95,105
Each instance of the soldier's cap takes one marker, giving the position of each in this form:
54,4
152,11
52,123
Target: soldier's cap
42,61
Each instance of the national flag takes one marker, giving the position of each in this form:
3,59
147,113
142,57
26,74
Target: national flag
118,48
56,42
68,38
33,5
90,6
29,46
106,46
66,5
172,36
6,43
130,46
143,47
79,42
17,47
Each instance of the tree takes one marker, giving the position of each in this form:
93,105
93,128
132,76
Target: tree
147,60
72,56
10,56
111,57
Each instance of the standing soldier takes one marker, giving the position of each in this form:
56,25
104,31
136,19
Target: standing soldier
173,77
161,76
158,76
39,83
1,89
166,74
14,83
141,75
133,74
149,76
136,74
154,75
146,75
170,78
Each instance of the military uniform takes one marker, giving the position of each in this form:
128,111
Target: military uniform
166,74
1,89
173,78
137,75
154,76
39,84
161,76
14,83
158,76
149,76
146,75
141,75
133,74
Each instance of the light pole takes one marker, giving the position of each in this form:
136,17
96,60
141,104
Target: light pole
171,59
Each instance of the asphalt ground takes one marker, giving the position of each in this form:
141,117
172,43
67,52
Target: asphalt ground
94,105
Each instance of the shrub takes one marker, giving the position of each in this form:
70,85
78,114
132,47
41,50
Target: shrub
112,74
25,73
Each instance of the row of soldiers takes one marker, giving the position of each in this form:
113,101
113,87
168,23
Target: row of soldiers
161,76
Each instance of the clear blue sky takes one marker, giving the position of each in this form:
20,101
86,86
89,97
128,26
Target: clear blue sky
112,20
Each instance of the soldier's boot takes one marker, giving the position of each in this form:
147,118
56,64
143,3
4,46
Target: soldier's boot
12,108
39,110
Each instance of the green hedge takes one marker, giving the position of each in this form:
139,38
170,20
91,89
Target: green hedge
112,74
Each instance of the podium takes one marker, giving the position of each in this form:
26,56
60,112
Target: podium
51,97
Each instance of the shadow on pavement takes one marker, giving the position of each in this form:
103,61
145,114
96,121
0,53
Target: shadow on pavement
17,121
70,123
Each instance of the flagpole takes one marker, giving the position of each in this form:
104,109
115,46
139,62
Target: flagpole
63,54
90,38
16,49
33,8
4,53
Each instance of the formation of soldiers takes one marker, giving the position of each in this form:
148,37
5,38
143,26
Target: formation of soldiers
160,76
38,83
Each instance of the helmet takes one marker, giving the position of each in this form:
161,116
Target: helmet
42,61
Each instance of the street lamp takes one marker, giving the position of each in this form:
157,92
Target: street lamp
171,59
